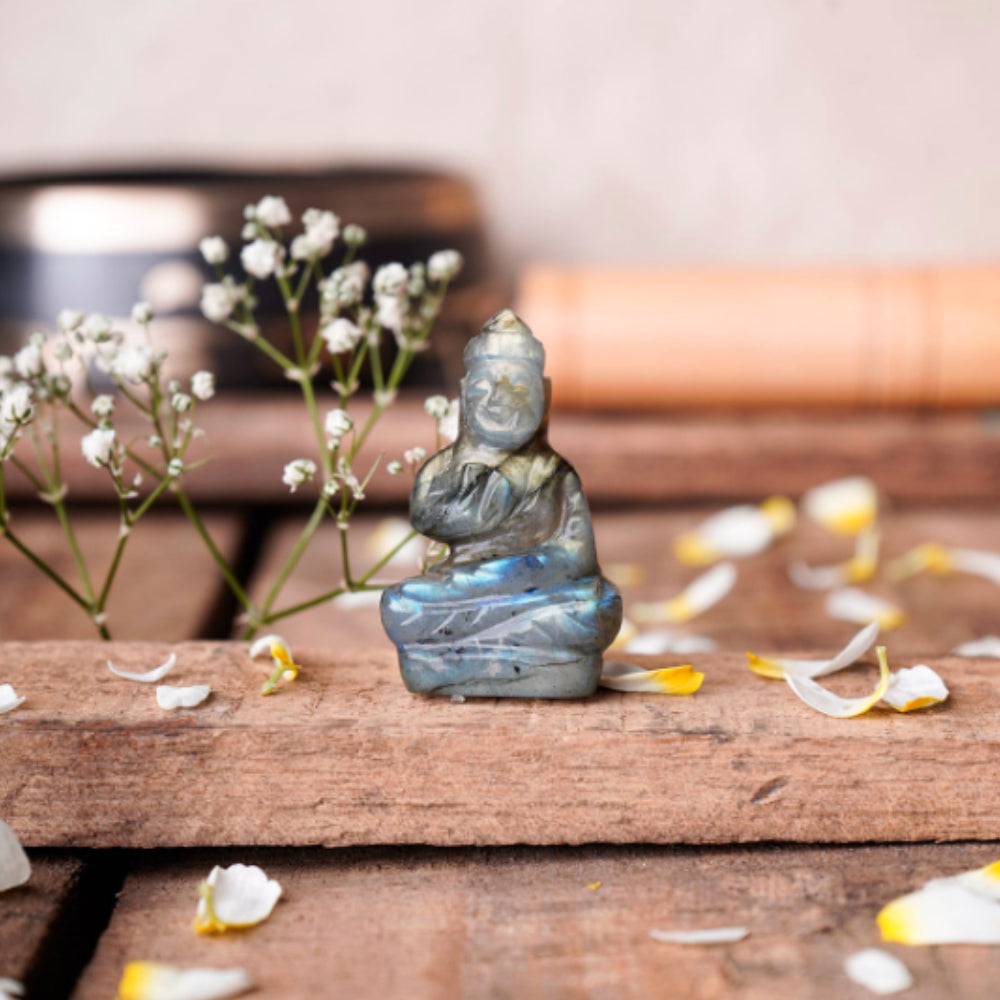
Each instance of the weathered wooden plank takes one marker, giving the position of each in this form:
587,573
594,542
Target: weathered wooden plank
436,925
165,588
346,756
765,610
649,457
27,912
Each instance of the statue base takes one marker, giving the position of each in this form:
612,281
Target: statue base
501,672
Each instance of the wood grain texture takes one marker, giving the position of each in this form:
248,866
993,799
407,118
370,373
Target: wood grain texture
506,923
165,587
650,457
765,611
346,755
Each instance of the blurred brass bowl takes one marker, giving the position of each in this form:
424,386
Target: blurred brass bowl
101,241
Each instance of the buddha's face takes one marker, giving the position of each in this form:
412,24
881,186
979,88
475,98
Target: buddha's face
503,402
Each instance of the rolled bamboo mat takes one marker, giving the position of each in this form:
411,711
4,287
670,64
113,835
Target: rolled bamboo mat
660,339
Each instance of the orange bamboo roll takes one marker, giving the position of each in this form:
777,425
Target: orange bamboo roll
659,339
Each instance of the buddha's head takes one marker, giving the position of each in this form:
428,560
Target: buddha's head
503,392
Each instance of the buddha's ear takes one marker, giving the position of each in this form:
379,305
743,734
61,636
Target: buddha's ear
543,424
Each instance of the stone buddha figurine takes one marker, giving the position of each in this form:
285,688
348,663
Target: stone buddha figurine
519,607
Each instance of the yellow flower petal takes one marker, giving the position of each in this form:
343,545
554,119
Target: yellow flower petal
692,551
832,705
667,680
780,513
281,656
929,556
778,667
943,912
154,981
913,688
844,506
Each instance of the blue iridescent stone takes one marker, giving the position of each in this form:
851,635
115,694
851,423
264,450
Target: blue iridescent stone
519,608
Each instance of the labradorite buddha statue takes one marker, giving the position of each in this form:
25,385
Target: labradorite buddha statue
519,607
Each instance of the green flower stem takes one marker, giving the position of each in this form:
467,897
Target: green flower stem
81,566
55,577
313,602
220,560
345,556
280,359
294,556
361,584
28,474
115,561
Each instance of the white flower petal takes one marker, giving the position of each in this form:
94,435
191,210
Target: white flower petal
916,687
701,594
984,564
10,989
989,645
852,605
733,533
9,698
239,896
877,970
15,869
851,653
266,643
818,577
943,912
845,506
150,676
833,705
170,697
658,641
714,935
153,981
667,680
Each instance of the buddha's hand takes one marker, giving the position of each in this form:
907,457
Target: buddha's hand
463,506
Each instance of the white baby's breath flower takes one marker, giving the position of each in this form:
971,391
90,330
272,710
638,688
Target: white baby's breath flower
237,896
436,406
96,328
390,312
391,279
354,235
414,457
98,447
448,425
63,350
249,231
395,467
262,258
17,404
6,372
203,385
15,869
272,210
11,989
444,265
142,312
175,467
155,981
132,363
384,397
214,249
338,423
417,283
217,302
340,335
322,229
69,319
28,361
298,472
181,402
345,286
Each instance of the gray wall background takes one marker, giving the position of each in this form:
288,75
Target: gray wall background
677,131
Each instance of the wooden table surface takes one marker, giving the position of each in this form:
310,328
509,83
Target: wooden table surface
463,841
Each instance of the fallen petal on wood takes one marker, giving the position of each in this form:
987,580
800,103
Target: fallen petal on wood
714,935
9,698
15,868
879,971
818,697
667,680
153,981
915,687
169,697
150,676
779,667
